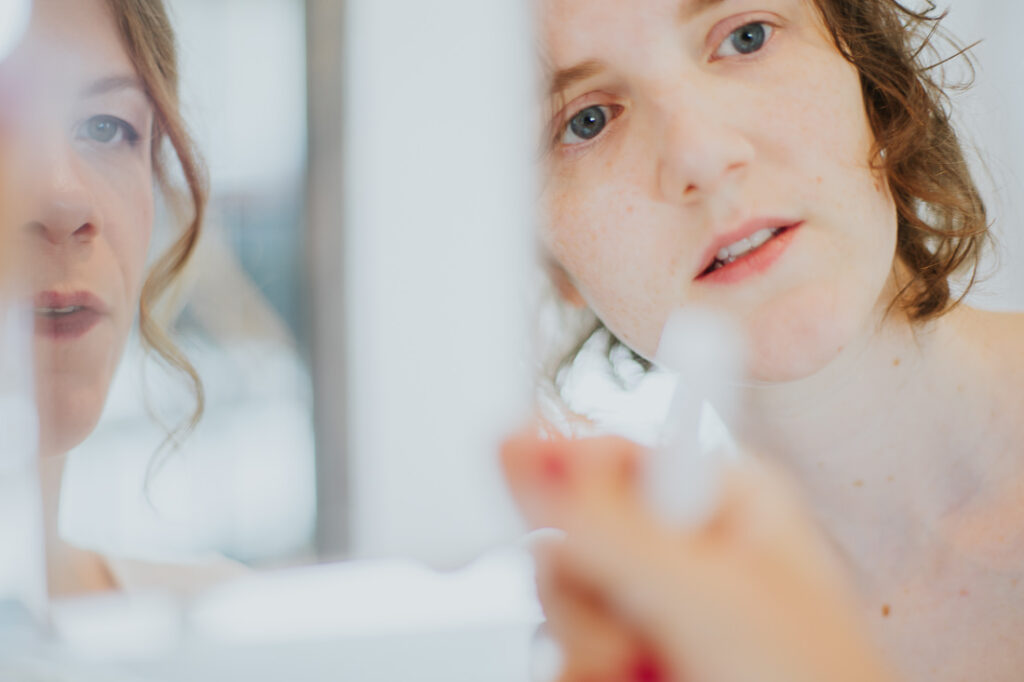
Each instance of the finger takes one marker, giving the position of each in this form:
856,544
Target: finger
594,644
535,471
622,549
590,487
758,573
546,476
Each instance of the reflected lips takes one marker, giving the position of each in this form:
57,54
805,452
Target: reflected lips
67,316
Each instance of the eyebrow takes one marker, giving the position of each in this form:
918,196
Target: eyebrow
691,8
565,77
113,84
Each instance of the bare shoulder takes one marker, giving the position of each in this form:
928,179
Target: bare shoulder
999,332
997,343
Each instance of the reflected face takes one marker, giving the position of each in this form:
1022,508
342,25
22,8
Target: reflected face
715,153
75,126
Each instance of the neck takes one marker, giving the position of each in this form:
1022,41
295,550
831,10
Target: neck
69,570
888,435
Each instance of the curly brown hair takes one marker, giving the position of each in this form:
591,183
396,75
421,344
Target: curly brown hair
942,226
148,37
942,223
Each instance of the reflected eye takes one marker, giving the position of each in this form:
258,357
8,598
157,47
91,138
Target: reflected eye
745,40
586,125
108,130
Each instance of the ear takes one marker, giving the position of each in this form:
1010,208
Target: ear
563,284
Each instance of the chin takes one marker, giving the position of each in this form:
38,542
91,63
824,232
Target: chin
67,416
798,337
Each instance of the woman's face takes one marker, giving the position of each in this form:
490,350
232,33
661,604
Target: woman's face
76,124
679,128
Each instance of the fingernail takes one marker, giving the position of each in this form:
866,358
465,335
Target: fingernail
553,467
646,669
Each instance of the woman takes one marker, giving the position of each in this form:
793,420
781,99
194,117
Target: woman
791,163
90,100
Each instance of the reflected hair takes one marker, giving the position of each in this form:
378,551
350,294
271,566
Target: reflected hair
148,37
942,225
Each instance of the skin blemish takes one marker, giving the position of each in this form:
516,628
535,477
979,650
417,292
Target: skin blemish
858,483
965,593
886,610
896,362
890,479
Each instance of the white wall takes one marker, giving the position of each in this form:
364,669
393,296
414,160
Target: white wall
992,117
244,88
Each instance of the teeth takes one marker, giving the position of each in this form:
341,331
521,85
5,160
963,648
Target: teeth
733,251
57,311
739,248
760,237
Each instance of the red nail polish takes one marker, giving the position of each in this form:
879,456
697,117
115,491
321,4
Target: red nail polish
553,467
647,669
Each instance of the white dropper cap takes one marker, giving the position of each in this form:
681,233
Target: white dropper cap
706,350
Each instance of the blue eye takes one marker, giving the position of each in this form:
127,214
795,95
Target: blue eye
745,40
586,125
108,130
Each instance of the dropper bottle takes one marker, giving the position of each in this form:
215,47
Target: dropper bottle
683,477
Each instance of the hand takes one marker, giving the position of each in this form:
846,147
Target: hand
752,595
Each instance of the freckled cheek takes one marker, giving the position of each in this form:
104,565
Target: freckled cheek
592,233
129,236
850,147
609,244
827,134
142,230
819,108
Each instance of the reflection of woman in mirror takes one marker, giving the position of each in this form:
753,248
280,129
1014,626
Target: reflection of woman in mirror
792,163
90,105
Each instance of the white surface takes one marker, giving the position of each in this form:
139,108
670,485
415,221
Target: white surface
14,17
383,621
117,626
368,599
439,249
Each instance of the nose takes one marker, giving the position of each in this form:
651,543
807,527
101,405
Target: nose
700,148
63,207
